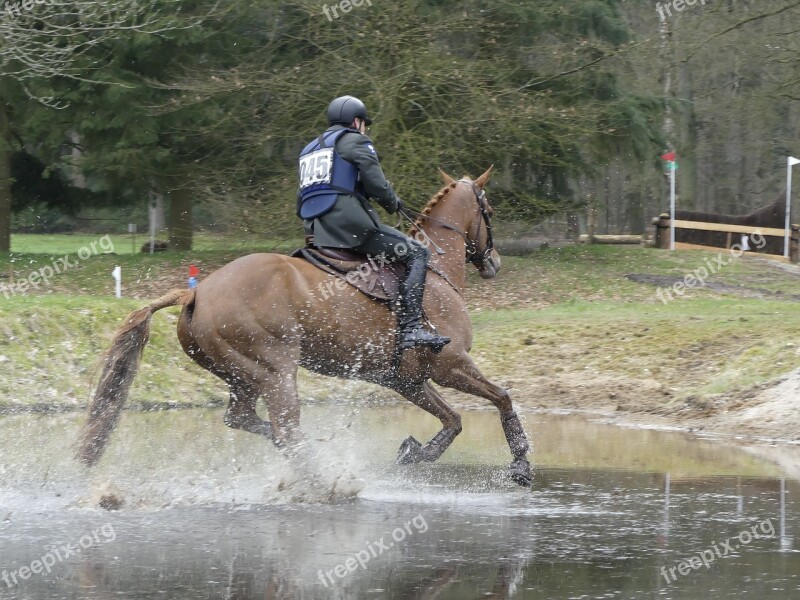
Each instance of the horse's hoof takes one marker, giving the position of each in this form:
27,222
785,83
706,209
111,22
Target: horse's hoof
410,452
520,472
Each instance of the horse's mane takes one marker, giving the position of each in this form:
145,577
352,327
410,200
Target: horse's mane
429,207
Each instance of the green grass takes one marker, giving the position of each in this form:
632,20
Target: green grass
143,275
590,273
699,346
49,346
58,244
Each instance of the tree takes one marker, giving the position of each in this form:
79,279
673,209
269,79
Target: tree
219,111
43,45
452,84
5,181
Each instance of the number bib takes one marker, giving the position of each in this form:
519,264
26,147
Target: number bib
316,168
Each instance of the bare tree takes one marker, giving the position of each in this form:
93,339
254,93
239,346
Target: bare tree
44,40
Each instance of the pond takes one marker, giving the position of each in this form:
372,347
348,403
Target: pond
207,512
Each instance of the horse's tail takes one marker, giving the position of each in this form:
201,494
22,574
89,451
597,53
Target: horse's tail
118,368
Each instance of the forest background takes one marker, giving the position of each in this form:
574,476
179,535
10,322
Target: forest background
202,106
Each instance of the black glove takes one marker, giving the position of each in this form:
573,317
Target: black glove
399,205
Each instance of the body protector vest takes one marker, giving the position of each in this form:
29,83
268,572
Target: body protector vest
323,175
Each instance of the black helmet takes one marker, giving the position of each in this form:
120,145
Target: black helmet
346,108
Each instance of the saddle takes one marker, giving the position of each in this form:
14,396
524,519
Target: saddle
374,276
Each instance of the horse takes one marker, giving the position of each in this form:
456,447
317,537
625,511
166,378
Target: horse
253,322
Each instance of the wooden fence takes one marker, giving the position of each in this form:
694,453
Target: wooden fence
734,236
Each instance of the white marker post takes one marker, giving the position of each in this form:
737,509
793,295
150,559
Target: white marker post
117,275
791,161
672,166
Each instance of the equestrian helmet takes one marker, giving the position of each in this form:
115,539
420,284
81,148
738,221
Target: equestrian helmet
344,109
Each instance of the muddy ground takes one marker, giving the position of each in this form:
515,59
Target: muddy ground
769,410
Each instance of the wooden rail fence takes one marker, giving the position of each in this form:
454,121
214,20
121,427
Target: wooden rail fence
662,223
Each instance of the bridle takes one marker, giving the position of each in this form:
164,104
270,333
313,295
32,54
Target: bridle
473,255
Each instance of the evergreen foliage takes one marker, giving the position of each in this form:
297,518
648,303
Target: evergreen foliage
210,102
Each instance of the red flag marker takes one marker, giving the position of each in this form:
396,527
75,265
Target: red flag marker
193,273
670,156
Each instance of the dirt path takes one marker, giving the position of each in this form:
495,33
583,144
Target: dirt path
668,281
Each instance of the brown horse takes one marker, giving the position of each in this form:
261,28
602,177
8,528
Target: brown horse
254,321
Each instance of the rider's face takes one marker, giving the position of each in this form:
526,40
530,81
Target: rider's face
360,125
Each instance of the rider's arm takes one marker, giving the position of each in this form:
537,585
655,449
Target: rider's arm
358,149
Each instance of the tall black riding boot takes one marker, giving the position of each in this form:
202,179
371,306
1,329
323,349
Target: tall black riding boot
412,332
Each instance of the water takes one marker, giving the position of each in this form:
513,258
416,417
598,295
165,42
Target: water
213,513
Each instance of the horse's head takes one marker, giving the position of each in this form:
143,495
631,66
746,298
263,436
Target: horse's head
478,227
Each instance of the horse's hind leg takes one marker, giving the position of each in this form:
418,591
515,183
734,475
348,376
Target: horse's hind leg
279,388
427,398
241,413
248,379
465,377
267,369
271,374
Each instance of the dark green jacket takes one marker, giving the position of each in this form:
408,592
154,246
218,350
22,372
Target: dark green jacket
352,220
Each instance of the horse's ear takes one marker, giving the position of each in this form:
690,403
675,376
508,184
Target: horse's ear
481,181
446,178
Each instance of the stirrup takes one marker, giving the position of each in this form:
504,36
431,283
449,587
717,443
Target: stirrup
419,336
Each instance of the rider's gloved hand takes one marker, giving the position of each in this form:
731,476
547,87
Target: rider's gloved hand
399,205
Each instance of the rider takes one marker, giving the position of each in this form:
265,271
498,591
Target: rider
339,174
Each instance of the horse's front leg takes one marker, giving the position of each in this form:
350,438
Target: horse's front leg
427,398
464,376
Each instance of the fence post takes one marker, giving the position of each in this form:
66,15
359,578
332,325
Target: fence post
661,237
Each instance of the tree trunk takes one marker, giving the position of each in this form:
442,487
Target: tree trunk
5,183
687,175
180,219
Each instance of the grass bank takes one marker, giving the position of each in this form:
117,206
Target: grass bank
564,328
619,352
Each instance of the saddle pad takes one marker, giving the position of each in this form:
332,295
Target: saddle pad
373,277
